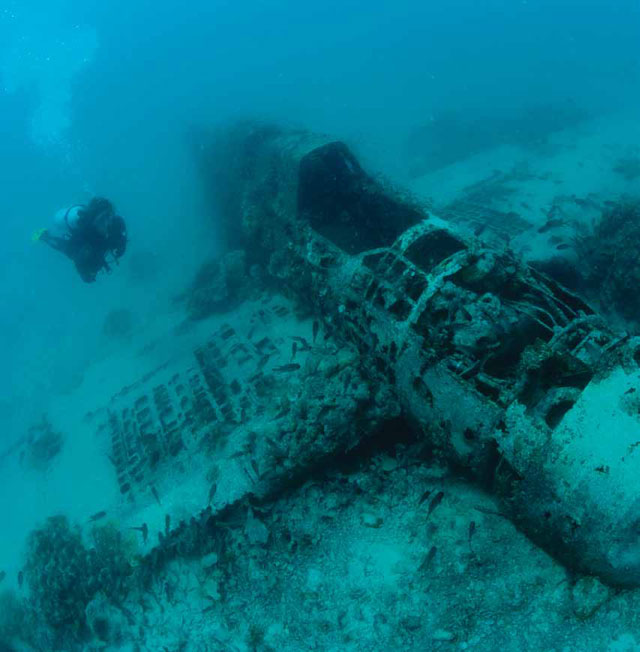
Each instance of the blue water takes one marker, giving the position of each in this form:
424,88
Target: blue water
111,98
103,98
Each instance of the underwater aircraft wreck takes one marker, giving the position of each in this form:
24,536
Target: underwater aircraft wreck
511,377
373,309
345,327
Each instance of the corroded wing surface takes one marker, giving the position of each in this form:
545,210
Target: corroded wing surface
179,407
259,400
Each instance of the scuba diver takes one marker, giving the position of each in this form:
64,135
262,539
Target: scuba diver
88,235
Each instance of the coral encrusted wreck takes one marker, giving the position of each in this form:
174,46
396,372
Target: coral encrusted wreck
501,368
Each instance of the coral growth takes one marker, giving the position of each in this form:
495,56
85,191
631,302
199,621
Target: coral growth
64,575
12,619
609,259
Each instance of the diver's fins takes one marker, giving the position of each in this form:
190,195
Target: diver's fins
37,235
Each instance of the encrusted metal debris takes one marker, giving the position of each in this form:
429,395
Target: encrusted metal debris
500,367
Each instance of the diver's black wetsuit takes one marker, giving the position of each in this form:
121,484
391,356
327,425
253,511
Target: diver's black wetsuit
98,233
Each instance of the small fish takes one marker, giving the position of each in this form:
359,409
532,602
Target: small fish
294,349
303,345
144,530
3,574
97,516
212,492
251,478
472,529
551,224
437,499
277,450
284,410
20,579
287,367
562,246
316,328
167,523
424,496
131,619
154,491
426,562
263,361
